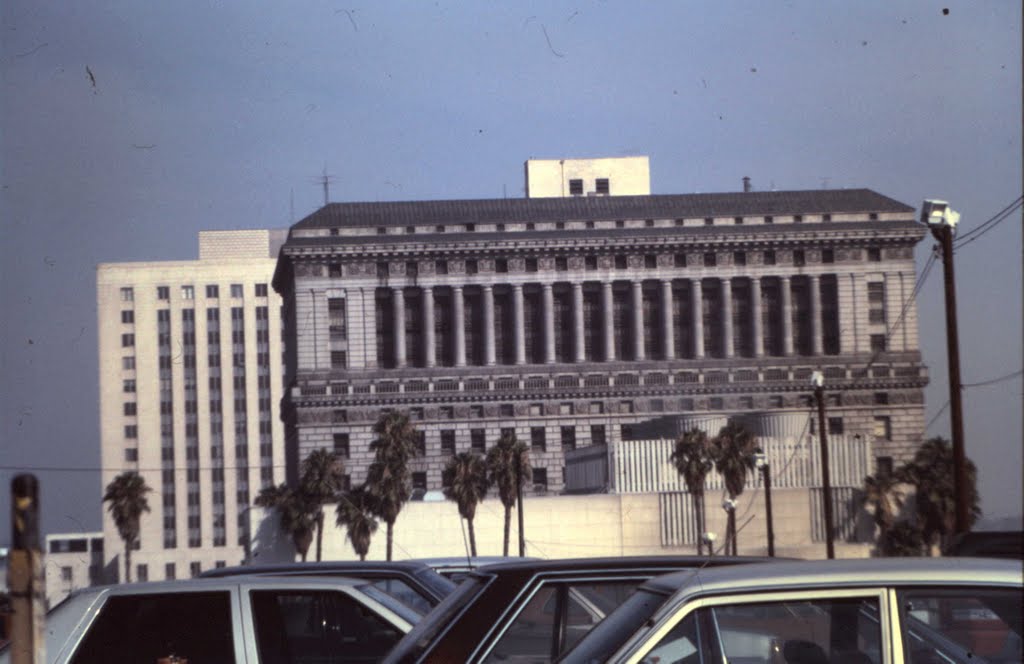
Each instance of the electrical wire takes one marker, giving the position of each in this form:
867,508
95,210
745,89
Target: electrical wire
993,381
984,228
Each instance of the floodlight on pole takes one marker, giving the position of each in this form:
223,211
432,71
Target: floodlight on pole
761,463
818,382
942,221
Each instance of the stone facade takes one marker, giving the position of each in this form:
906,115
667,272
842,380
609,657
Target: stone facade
573,321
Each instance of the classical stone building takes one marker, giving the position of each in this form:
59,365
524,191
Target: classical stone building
590,317
190,385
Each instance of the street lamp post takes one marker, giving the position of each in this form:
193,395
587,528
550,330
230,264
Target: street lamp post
761,460
818,381
942,220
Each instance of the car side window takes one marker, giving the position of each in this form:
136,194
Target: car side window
318,626
817,631
969,625
147,628
557,617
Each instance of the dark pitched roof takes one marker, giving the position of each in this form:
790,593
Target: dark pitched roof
674,206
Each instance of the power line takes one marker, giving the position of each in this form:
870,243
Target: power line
995,380
998,218
936,416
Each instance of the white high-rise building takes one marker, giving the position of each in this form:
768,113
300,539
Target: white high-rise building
190,384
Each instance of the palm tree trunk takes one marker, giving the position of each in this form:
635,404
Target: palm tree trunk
696,522
508,525
319,532
390,527
701,525
127,561
732,532
472,539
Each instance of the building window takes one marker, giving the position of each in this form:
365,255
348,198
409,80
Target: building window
421,443
341,445
797,218
441,267
478,440
562,264
575,187
873,216
835,426
883,428
127,294
597,436
709,221
531,264
799,259
439,228
142,572
679,260
590,262
128,386
419,481
828,256
620,223
448,442
237,290
739,258
710,260
195,569
128,363
883,466
382,230
531,226
826,217
878,343
471,266
212,291
876,302
501,265
131,454
336,317
769,220
169,571
540,479
601,185
163,292
881,398
261,290
769,257
568,438
129,408
334,270
339,359
738,221
649,223
874,254
131,431
650,261
537,439
127,316
188,293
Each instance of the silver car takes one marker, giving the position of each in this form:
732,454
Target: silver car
876,611
271,620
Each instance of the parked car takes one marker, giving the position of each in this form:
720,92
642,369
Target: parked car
533,611
236,620
924,611
415,584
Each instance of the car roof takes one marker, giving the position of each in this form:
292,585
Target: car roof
463,562
840,573
324,567
618,563
201,584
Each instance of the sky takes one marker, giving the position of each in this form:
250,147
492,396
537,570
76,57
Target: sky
127,127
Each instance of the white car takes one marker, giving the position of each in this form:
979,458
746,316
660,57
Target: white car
236,620
875,611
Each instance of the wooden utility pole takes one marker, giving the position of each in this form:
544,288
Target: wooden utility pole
826,484
519,502
25,574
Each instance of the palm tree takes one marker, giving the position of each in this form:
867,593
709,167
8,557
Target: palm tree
322,474
903,539
733,452
126,501
388,478
878,495
465,481
355,514
297,514
503,461
931,474
692,459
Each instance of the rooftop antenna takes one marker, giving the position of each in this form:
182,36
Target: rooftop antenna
326,181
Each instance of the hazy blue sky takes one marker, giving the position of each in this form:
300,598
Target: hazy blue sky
129,126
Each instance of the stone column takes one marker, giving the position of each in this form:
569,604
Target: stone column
787,316
816,327
549,323
757,316
609,321
697,304
638,320
489,354
398,300
667,331
517,315
727,327
577,318
458,309
430,353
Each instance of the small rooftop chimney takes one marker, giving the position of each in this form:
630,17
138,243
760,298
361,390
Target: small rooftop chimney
746,185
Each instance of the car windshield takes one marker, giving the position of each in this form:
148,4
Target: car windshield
406,612
439,585
432,625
